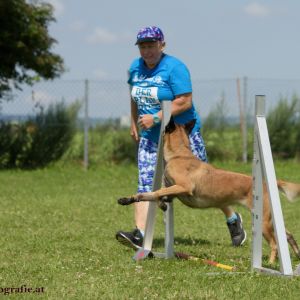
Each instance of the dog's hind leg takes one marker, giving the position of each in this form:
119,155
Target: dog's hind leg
268,230
268,234
293,243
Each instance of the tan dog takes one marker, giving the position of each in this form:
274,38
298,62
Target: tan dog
199,185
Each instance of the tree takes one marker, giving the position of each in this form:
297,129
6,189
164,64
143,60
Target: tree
25,44
283,126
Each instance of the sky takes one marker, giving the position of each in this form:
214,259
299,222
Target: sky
215,39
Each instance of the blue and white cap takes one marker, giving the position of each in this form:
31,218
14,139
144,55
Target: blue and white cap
149,34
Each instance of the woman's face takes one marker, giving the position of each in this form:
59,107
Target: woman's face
151,52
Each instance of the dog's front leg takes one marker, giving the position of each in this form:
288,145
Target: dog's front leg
173,190
137,198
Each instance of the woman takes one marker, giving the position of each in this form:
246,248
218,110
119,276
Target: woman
154,77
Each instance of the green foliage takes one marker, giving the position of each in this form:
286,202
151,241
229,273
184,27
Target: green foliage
110,144
222,140
25,44
124,149
284,128
40,140
224,145
107,145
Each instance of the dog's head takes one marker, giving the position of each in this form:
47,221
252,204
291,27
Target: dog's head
176,136
171,126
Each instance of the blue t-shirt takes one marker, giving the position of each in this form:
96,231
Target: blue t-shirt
169,78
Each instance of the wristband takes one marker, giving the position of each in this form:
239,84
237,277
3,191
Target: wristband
156,119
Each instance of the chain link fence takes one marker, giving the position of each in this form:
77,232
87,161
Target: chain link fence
107,100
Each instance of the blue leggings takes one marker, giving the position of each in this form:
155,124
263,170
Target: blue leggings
147,154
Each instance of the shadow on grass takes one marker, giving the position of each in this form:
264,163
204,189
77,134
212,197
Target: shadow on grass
160,242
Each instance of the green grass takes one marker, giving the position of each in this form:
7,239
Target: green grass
58,232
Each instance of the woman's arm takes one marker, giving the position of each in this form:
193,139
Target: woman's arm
180,104
133,121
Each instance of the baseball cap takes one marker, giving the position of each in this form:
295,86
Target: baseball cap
149,34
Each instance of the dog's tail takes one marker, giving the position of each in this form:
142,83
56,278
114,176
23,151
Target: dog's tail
289,189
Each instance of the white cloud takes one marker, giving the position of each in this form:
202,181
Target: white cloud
257,10
77,26
58,6
102,36
100,74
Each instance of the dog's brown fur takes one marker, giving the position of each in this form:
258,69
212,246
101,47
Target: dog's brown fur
199,185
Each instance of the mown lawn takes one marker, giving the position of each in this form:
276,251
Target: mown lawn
58,233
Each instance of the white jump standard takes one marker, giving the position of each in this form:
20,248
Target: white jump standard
263,170
146,250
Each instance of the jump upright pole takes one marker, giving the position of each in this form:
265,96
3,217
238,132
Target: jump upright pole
146,250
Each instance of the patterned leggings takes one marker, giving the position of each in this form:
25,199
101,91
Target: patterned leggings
147,154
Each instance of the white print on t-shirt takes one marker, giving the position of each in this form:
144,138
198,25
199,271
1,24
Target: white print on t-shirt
144,81
145,97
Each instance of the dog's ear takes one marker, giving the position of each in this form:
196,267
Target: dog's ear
189,126
171,126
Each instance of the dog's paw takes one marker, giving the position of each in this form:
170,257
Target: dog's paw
167,199
162,205
126,201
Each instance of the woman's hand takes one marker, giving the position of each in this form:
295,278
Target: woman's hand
134,132
146,121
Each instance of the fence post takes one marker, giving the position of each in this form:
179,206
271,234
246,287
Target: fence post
245,127
86,124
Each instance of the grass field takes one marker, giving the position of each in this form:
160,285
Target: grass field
58,235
